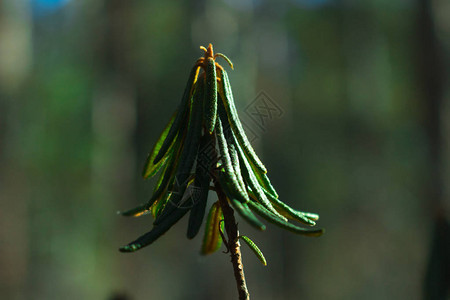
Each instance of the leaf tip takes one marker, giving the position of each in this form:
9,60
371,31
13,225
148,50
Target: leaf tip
318,232
129,248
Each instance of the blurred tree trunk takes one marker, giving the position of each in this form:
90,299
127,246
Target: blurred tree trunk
431,76
113,127
15,61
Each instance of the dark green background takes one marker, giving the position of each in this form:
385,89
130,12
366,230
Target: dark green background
362,140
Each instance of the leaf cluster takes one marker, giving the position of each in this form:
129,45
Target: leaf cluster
204,143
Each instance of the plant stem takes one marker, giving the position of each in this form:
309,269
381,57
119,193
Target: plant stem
232,232
233,243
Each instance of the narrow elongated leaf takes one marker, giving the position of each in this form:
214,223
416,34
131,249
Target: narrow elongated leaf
288,211
311,216
150,168
162,187
228,186
236,188
160,229
263,212
250,179
167,168
164,181
264,181
160,192
236,126
210,94
236,165
243,210
155,233
254,248
201,183
226,59
212,240
228,134
137,211
159,205
180,119
188,154
240,207
197,212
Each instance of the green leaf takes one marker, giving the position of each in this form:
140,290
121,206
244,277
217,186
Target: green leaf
212,240
210,95
289,212
237,190
137,211
170,163
264,181
151,168
155,233
201,184
243,210
250,179
263,212
158,206
188,153
236,166
311,216
160,190
181,117
254,248
236,126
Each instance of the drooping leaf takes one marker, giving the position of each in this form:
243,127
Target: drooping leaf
150,168
210,95
160,190
264,181
212,240
236,165
311,216
251,181
236,126
234,185
188,153
288,211
243,210
263,212
155,233
254,248
181,116
201,183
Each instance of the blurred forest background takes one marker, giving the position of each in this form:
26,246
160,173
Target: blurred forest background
360,136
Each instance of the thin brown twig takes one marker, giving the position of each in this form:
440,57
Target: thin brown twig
231,228
233,243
